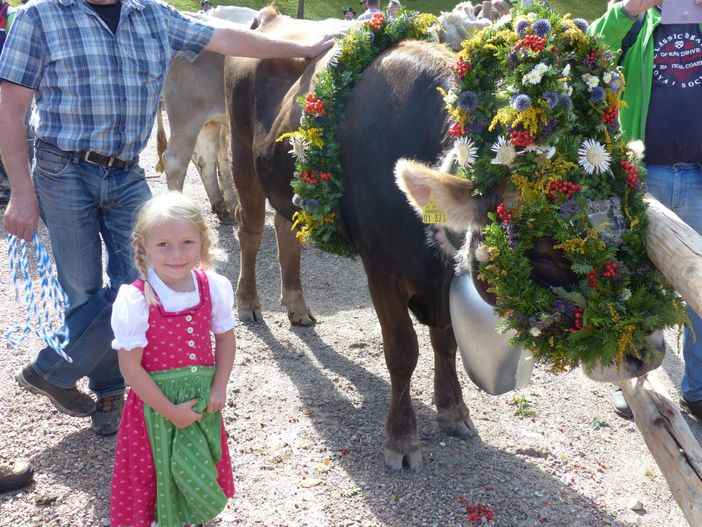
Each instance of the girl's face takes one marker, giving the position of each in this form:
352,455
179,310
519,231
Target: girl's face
173,249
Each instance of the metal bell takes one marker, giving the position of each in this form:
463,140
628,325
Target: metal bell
489,360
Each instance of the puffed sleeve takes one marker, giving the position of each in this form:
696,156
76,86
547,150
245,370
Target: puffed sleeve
222,295
130,319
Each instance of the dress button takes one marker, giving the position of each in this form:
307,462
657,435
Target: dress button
193,369
189,330
191,343
192,356
188,318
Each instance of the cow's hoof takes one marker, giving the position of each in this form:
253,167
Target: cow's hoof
250,316
304,318
395,461
226,218
456,422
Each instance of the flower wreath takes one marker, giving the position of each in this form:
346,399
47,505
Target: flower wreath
535,107
317,184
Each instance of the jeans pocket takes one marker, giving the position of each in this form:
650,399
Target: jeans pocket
50,162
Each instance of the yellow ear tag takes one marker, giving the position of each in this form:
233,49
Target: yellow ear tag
433,213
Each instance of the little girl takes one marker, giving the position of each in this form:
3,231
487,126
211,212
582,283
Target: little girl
172,464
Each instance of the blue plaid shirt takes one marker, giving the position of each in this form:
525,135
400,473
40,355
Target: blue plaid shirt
96,90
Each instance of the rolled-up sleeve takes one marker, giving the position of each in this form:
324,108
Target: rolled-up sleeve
130,319
222,295
23,56
188,36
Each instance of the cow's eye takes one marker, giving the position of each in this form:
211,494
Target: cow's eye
540,257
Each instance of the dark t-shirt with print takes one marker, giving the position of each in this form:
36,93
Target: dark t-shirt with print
674,123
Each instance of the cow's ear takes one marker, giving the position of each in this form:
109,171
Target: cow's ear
452,194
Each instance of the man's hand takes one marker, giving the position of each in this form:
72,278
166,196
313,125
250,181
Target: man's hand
324,44
22,214
633,8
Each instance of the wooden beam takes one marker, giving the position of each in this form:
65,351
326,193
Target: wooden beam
675,449
675,249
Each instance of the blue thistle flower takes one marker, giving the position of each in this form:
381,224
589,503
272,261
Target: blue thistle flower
468,101
513,59
597,94
568,208
551,98
522,27
310,205
521,102
581,24
565,101
542,27
616,83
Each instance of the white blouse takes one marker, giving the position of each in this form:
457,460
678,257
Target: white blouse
130,312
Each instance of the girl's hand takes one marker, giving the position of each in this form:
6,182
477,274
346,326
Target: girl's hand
218,396
183,414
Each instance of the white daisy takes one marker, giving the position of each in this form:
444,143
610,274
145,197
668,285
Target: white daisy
607,78
450,98
466,153
546,151
505,153
566,70
534,332
590,80
593,157
299,148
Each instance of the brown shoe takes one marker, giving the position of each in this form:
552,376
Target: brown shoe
67,400
15,475
107,415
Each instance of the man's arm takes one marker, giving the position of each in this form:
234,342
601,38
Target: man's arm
243,42
22,213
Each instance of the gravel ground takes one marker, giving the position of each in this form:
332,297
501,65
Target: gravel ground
306,416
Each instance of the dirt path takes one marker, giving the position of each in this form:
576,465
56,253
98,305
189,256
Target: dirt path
306,416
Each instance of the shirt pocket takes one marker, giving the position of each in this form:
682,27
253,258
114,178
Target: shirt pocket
147,61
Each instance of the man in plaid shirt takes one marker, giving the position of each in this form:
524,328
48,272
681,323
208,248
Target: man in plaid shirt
96,70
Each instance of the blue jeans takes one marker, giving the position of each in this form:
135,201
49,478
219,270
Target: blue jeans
679,187
81,204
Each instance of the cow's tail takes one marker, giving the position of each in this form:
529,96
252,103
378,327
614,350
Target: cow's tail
161,139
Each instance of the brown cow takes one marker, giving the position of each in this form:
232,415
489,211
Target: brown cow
395,111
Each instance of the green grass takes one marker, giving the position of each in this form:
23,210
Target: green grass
317,9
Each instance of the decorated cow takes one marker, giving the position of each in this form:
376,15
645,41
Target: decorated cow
320,141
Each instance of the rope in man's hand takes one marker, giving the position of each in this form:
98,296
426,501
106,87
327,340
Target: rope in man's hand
42,312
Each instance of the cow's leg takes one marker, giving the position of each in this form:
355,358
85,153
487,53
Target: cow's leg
289,252
401,352
452,413
226,181
205,159
251,216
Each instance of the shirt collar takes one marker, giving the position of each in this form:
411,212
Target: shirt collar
132,4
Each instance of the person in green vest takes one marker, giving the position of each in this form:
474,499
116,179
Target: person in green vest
662,65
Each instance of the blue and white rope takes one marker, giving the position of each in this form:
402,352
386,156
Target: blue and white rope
41,313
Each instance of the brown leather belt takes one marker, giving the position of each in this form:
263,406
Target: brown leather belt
107,161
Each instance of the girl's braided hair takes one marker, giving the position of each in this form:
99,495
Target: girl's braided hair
170,205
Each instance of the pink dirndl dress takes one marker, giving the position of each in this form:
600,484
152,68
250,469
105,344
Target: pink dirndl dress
175,340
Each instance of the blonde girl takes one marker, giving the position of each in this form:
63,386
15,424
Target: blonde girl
172,464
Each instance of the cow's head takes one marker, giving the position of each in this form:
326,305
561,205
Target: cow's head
466,213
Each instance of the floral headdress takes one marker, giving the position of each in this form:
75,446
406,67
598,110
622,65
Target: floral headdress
535,108
315,145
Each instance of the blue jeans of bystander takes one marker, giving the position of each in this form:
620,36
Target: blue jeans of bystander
81,204
679,187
